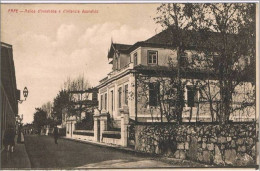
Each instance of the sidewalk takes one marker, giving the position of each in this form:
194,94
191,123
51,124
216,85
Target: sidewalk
179,163
17,160
126,149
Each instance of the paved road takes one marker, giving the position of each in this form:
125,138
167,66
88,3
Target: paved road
44,153
16,160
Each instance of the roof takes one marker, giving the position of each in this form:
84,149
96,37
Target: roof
163,37
6,45
122,48
191,39
168,39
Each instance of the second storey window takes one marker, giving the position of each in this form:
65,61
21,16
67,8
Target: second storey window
152,57
135,59
101,102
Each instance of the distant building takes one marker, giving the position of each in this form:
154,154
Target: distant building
84,102
9,93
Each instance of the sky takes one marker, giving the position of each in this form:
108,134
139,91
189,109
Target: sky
50,47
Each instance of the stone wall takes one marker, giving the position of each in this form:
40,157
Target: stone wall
232,145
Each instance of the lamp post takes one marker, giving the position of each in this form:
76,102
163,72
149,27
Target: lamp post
25,94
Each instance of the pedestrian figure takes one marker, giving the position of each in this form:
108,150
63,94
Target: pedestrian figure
8,140
20,137
56,134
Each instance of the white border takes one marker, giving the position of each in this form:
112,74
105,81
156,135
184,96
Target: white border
129,1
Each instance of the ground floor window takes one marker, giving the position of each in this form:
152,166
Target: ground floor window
105,101
120,97
126,94
153,94
112,100
192,96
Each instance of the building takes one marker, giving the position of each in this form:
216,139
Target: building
149,59
84,102
9,93
141,89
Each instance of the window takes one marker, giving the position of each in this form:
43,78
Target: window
106,101
184,59
135,59
152,57
192,96
101,102
120,97
126,94
214,58
112,100
94,96
216,61
153,94
247,61
194,58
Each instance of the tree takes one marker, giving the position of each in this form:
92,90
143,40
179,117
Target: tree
61,101
233,48
177,18
76,84
224,36
65,99
39,119
47,107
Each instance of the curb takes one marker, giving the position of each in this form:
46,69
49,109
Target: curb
100,144
127,150
139,153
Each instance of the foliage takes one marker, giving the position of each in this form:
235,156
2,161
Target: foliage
225,30
61,101
76,84
111,124
87,123
39,119
47,108
233,49
177,19
65,99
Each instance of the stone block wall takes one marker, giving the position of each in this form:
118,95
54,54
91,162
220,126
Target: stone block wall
232,145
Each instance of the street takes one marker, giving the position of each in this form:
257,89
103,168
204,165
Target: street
44,153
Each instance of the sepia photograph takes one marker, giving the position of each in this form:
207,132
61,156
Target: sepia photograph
129,85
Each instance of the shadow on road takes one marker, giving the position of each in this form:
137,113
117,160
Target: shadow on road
44,153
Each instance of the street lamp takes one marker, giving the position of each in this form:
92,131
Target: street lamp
25,95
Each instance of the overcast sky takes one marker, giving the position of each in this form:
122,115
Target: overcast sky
48,48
